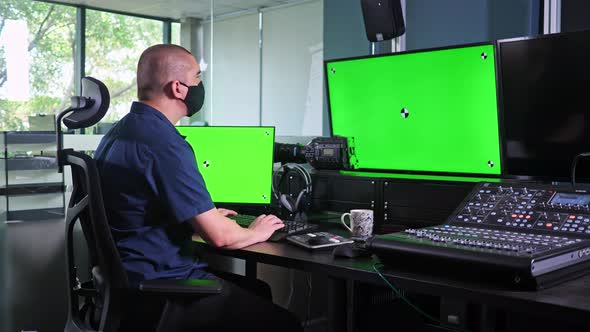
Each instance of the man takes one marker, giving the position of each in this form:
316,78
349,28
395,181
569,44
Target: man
156,200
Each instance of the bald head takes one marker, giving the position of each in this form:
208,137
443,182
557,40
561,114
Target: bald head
159,65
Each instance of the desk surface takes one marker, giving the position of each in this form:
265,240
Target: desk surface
569,301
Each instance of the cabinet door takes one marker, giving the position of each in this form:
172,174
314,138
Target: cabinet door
333,193
419,204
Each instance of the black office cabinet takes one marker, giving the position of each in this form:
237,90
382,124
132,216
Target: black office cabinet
419,203
399,201
333,191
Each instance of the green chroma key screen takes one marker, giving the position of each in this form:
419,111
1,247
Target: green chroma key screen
426,111
236,162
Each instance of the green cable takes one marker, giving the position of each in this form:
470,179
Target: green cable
401,296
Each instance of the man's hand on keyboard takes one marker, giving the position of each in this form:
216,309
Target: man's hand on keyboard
265,225
227,212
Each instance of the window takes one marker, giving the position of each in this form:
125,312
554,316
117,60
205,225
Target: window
37,47
114,43
175,33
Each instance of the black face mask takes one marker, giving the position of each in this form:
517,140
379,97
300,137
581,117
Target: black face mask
195,97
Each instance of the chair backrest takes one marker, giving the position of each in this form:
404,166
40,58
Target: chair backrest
86,205
109,279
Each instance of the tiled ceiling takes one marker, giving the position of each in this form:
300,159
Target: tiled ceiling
177,9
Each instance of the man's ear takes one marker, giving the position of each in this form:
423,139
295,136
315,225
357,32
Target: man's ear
177,90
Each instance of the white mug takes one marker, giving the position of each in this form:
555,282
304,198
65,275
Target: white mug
361,222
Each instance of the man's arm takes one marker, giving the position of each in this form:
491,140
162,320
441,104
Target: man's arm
223,232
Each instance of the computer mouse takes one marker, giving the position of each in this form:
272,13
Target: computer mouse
318,240
350,251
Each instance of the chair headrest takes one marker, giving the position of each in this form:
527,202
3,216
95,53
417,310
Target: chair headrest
95,105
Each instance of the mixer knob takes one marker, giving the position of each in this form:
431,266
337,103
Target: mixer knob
500,189
525,191
493,198
478,196
510,189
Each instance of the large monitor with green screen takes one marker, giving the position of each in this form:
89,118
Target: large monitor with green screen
236,162
422,111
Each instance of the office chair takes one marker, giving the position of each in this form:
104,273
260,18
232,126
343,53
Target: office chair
105,295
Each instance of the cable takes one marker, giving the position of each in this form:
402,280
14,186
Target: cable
309,287
291,288
574,163
401,295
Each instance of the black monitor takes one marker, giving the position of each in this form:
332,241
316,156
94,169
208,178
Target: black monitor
545,118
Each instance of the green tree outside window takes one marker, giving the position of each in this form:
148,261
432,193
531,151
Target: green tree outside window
114,43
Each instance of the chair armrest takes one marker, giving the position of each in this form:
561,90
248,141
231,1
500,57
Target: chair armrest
188,287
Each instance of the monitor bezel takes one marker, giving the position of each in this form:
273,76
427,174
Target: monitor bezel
255,206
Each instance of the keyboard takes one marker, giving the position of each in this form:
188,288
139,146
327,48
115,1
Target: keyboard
292,227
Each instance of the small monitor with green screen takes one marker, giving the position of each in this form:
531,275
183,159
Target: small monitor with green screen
236,162
421,111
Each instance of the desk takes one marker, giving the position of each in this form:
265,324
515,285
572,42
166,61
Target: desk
567,302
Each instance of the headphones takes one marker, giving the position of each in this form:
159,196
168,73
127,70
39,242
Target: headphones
299,202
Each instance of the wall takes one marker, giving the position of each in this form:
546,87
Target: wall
344,30
514,18
292,62
278,85
432,23
232,77
574,15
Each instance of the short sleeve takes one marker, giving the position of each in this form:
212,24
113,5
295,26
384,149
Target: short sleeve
180,185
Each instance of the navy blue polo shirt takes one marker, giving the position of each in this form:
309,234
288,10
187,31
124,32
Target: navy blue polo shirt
151,187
